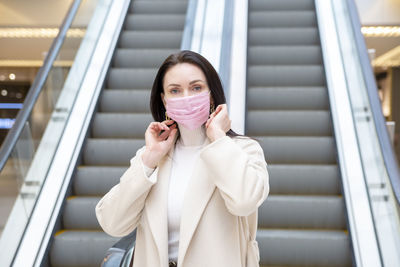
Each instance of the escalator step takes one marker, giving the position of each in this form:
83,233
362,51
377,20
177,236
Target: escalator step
302,18
298,149
285,55
159,22
110,152
291,98
283,36
306,75
121,78
305,212
281,5
140,58
304,179
150,39
96,180
158,7
128,101
128,125
304,247
79,213
80,248
289,123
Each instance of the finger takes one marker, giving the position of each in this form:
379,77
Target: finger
168,122
219,108
164,135
163,126
207,123
171,137
154,127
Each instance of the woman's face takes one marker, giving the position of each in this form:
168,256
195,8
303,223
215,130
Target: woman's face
184,79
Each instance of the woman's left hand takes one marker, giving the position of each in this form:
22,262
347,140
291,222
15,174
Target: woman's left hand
218,123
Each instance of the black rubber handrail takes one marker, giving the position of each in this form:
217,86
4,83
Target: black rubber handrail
389,155
23,115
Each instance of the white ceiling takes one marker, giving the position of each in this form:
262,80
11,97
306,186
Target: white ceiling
41,13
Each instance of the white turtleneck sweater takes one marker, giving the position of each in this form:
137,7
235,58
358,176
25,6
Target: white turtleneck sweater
186,152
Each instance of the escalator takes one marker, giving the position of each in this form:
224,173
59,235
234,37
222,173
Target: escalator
152,30
303,222
309,218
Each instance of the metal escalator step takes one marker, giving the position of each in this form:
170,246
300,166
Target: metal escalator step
158,7
304,247
281,5
306,212
306,75
289,122
301,179
283,36
119,125
290,98
140,58
110,152
79,213
121,78
158,22
96,180
80,248
285,55
298,149
150,39
128,100
302,18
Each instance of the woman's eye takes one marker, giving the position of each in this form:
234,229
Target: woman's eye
197,88
174,91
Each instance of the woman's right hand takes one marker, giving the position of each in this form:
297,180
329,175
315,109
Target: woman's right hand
157,145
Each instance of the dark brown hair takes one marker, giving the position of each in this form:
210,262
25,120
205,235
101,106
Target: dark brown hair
186,56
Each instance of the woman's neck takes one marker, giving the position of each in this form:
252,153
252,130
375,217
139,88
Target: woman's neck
194,137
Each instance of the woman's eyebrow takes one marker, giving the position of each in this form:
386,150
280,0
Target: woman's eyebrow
174,84
195,81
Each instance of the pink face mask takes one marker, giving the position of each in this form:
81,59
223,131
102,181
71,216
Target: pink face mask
190,111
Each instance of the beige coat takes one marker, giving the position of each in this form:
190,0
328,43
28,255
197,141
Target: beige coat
229,180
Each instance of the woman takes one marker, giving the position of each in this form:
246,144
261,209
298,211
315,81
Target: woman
194,189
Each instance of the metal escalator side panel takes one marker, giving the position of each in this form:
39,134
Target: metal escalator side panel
363,236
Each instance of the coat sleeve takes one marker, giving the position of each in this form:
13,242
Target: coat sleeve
120,210
239,171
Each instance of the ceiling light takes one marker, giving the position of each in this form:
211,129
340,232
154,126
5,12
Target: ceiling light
381,31
12,76
31,63
38,32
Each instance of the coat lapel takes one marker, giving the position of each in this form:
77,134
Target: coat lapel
156,207
197,195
